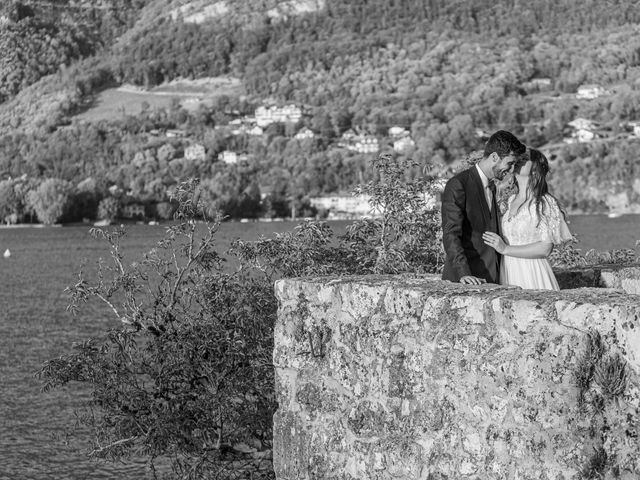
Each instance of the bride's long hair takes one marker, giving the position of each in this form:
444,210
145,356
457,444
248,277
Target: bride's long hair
537,187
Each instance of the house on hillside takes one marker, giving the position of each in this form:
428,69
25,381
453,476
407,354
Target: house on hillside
583,130
194,152
343,206
582,124
255,130
348,135
267,115
397,132
361,143
590,92
229,157
403,144
133,210
580,135
174,132
304,134
538,84
364,144
634,126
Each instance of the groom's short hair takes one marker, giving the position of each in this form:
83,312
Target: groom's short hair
503,143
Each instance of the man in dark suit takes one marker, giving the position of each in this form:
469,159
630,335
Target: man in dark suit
469,208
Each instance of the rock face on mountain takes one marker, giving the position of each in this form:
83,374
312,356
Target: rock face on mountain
409,377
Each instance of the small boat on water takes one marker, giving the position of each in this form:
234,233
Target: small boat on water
614,214
7,253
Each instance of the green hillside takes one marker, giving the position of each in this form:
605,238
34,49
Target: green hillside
441,70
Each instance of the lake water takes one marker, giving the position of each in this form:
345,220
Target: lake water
35,439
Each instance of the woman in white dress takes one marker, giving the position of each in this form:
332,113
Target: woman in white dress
532,224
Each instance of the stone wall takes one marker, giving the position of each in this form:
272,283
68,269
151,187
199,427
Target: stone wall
394,377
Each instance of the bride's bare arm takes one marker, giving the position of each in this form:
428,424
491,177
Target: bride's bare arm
530,250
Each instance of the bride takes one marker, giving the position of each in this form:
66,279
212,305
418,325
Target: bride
531,226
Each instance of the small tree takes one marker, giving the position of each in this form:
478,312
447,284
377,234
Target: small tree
405,235
109,208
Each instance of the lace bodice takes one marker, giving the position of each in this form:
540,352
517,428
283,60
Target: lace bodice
522,228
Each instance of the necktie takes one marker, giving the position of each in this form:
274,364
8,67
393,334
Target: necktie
491,193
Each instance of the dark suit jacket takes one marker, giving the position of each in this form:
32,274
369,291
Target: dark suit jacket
465,216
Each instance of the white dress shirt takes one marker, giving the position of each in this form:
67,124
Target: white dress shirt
488,195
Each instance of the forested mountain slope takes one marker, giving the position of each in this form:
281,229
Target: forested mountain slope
440,69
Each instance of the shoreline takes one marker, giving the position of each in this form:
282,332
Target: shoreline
256,220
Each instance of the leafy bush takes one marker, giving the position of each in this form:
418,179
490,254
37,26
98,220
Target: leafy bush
187,374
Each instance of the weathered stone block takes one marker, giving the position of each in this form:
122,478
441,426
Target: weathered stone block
409,377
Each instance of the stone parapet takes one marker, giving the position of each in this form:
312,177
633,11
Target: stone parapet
410,377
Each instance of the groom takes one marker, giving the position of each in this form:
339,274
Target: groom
469,208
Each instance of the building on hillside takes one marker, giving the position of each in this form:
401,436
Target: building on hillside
194,152
347,138
403,145
582,124
115,191
133,210
538,84
304,134
583,131
364,144
580,135
228,157
361,143
174,132
343,206
634,126
255,130
267,115
265,191
590,92
397,132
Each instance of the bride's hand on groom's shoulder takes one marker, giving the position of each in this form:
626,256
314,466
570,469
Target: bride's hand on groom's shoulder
495,241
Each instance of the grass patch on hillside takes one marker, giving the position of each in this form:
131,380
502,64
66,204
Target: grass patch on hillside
114,103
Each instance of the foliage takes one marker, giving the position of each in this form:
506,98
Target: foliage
440,70
187,374
567,255
109,208
51,200
405,236
602,377
13,199
401,236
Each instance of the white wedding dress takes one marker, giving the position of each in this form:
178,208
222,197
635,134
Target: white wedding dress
521,228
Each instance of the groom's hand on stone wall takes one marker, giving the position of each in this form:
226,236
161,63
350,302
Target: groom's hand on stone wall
471,280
